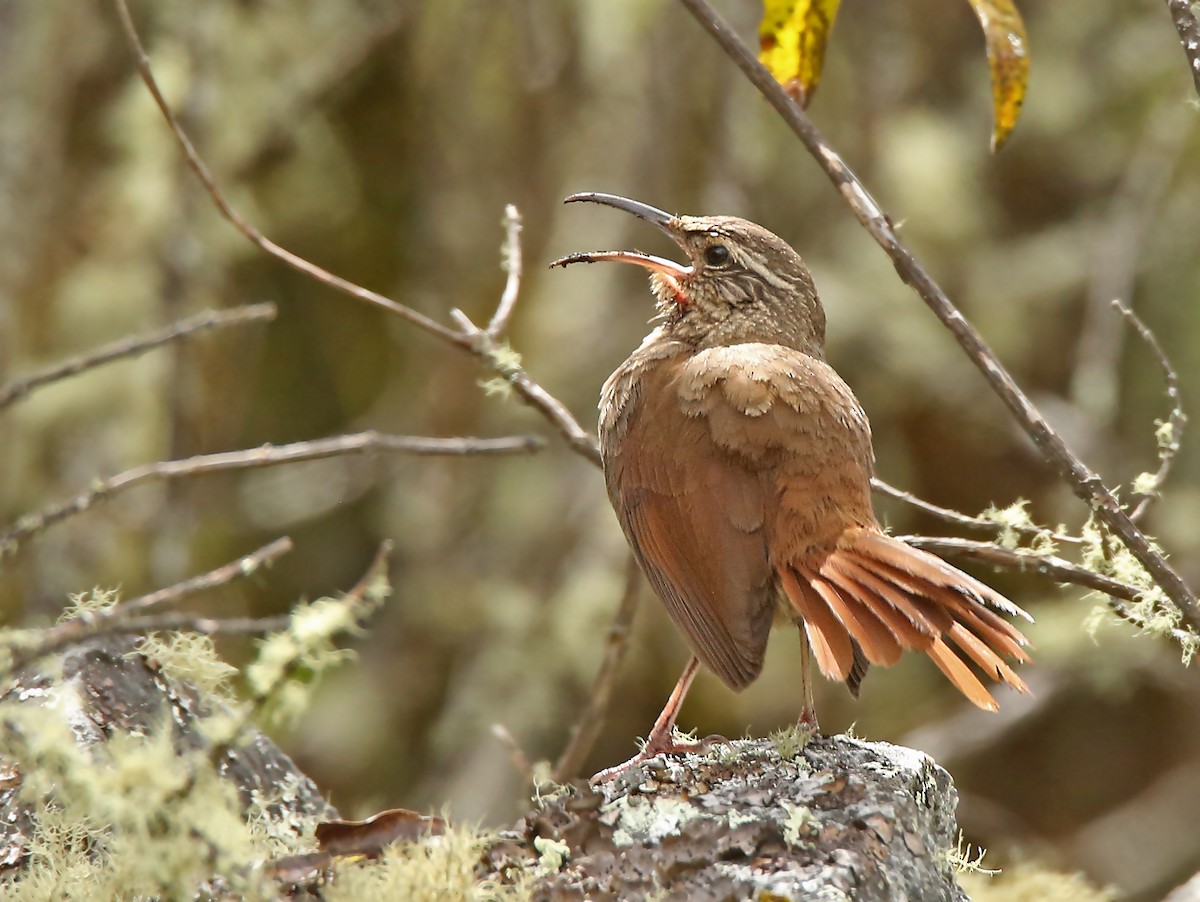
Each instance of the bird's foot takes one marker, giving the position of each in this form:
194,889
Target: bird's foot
808,720
668,744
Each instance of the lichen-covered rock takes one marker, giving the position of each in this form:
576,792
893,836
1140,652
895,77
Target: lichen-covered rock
101,726
837,819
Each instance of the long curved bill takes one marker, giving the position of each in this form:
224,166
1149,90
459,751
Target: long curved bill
660,218
668,269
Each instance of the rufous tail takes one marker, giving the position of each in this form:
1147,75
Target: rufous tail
874,598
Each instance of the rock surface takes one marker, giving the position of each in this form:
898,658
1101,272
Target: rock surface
836,819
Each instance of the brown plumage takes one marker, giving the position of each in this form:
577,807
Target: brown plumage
738,463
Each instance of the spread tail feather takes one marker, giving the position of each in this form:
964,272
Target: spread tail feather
873,597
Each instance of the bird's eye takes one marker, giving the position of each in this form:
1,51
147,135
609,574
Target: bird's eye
717,255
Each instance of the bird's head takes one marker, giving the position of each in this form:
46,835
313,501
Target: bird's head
743,282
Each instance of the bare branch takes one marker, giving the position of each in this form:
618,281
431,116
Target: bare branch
198,166
135,345
1086,484
512,261
119,618
960,519
264,456
207,626
1169,444
1063,571
1024,561
1189,35
590,724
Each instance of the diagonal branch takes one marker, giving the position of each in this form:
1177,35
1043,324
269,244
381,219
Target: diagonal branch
1086,484
1117,593
1189,35
960,519
198,166
264,456
135,345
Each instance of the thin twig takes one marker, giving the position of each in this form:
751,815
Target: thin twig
1189,35
134,345
1116,592
512,261
119,617
965,520
1086,484
590,724
516,754
264,456
242,567
207,626
198,166
1176,419
1003,558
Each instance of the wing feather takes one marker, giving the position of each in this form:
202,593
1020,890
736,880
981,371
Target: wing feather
694,518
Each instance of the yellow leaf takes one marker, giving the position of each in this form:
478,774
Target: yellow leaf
1008,60
792,38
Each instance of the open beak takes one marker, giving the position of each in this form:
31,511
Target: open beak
671,271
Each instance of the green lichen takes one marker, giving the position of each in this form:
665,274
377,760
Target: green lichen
642,820
1018,532
1145,484
1152,612
1013,521
799,825
507,364
290,663
128,818
790,741
552,854
433,870
1024,881
84,603
192,659
967,859
504,359
496,388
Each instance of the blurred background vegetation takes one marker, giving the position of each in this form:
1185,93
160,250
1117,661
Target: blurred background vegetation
382,140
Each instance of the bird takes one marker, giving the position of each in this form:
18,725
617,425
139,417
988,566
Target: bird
739,465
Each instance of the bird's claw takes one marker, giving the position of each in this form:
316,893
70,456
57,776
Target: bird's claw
655,746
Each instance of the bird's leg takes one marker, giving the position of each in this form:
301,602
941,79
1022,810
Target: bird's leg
662,735
808,713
